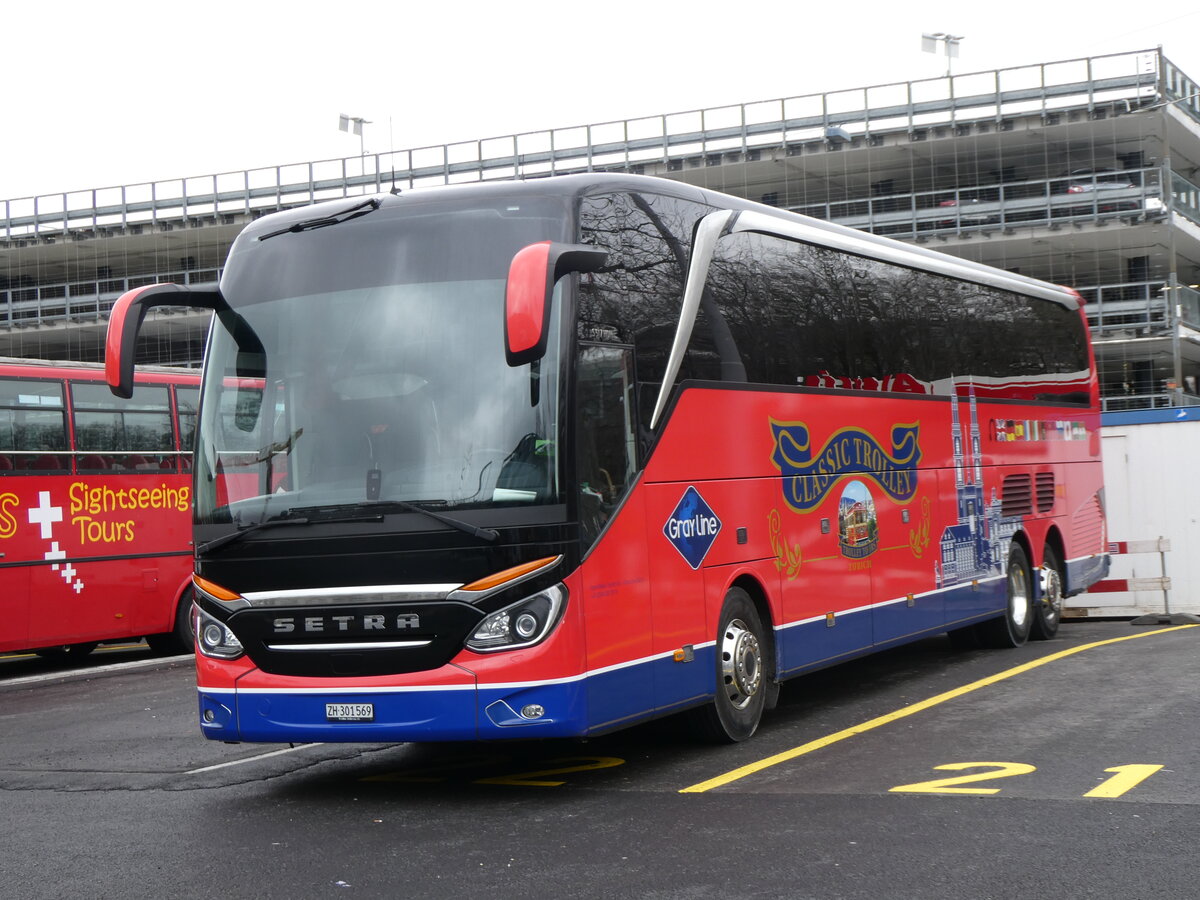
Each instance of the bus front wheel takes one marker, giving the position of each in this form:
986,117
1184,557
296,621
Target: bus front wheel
742,677
1012,628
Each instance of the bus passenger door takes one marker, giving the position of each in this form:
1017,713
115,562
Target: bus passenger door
615,571
616,616
682,616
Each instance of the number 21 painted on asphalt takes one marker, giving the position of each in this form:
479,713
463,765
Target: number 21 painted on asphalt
1124,779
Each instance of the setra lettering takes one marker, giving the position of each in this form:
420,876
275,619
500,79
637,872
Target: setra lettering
322,624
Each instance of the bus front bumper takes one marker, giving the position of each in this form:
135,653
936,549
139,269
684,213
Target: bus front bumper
446,712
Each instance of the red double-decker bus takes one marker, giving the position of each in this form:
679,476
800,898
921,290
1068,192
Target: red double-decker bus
543,459
95,507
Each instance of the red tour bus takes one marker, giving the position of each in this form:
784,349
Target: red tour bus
95,501
547,459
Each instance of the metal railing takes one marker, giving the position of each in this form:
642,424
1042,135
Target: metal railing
1179,90
83,301
1155,400
1131,193
1188,302
1185,197
49,461
1101,85
1140,307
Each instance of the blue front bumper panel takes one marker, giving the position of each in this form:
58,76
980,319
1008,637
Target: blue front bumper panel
422,714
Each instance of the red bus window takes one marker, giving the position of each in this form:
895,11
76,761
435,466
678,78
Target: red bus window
132,435
33,434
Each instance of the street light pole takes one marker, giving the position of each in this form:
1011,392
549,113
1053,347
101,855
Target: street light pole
929,42
354,124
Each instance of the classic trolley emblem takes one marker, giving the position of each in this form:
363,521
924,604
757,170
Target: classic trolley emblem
858,529
692,527
809,477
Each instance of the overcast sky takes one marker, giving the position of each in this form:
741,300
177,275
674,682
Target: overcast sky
109,92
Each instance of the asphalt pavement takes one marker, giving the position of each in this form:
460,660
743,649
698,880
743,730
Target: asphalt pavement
1066,768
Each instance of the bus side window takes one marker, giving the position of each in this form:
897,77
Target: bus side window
133,435
187,403
605,433
637,297
33,433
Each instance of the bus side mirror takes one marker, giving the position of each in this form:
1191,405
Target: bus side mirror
126,318
531,277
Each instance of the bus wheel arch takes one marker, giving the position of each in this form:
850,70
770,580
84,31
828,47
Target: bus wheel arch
743,655
180,638
758,595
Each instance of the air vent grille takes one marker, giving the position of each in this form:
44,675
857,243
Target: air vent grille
1016,496
1044,487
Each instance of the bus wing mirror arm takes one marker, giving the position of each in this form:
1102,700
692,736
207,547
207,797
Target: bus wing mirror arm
531,278
704,246
126,318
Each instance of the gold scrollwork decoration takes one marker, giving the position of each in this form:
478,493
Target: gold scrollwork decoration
788,559
918,538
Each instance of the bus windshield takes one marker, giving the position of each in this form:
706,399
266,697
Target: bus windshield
393,387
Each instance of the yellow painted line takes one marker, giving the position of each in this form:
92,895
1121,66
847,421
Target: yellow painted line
138,646
905,712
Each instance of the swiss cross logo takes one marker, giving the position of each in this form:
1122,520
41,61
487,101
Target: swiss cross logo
692,528
45,515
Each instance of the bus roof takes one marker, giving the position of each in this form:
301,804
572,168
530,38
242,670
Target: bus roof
574,187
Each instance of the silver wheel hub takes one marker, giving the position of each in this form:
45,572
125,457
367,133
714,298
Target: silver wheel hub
1052,595
1018,595
741,664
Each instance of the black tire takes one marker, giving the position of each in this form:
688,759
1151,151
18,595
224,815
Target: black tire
180,638
743,674
1047,609
1012,628
66,652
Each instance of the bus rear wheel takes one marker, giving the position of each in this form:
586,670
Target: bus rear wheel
743,652
1012,629
1047,609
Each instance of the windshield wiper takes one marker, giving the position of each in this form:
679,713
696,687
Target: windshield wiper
484,534
345,215
320,515
284,518
288,517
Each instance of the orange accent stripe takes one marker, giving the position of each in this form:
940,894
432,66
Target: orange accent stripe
215,590
512,574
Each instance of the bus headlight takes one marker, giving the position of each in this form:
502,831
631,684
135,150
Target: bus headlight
214,639
521,624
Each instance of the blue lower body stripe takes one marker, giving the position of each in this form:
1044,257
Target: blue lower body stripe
600,701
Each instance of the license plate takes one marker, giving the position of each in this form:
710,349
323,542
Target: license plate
350,712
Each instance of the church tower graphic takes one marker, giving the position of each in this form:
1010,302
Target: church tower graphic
973,547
